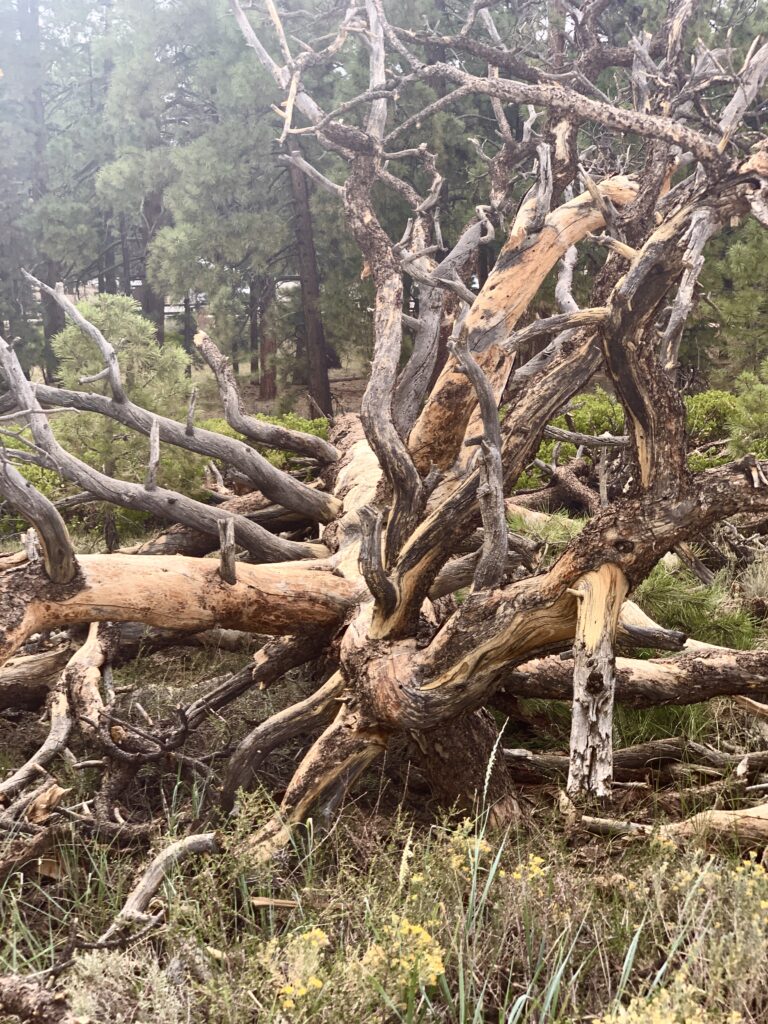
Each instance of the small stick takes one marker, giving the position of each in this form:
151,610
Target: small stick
190,427
227,561
150,483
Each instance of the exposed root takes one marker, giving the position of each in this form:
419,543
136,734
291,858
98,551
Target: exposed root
134,908
31,1001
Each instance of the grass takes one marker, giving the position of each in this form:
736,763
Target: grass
400,922
398,917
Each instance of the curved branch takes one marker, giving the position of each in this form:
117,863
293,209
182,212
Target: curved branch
111,365
160,502
58,552
276,485
87,659
317,709
257,430
133,910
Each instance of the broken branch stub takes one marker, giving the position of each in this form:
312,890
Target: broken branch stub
599,596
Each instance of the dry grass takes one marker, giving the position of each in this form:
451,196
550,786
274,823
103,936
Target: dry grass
400,922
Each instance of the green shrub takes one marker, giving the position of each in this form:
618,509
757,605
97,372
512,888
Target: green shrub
281,459
594,414
678,601
708,415
749,420
153,376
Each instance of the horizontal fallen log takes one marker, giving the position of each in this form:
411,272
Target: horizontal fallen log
631,763
173,592
746,826
690,678
25,681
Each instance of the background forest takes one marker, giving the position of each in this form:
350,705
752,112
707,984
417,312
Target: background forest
141,156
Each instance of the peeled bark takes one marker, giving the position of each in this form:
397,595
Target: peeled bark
599,595
517,275
174,592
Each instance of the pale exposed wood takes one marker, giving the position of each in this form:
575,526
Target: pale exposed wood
599,596
76,681
134,909
517,275
179,593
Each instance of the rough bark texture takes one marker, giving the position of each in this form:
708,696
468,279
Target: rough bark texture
599,596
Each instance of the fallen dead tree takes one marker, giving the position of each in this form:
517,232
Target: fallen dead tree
425,468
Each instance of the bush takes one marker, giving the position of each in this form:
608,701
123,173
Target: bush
749,420
153,376
281,459
709,415
593,413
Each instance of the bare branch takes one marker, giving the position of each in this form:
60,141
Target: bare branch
58,552
150,483
108,353
263,433
160,502
751,80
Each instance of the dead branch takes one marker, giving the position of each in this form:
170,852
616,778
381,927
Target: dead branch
160,502
58,553
87,660
134,909
599,596
316,710
257,430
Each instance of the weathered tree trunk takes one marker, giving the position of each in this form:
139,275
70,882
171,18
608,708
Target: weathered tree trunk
463,762
317,357
263,343
152,303
418,475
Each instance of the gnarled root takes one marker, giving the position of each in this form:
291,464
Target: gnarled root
465,767
338,756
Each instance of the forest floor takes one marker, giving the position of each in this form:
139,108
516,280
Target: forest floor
399,911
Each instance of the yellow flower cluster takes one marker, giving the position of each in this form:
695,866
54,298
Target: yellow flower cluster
407,954
468,849
677,1005
533,868
296,967
288,992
